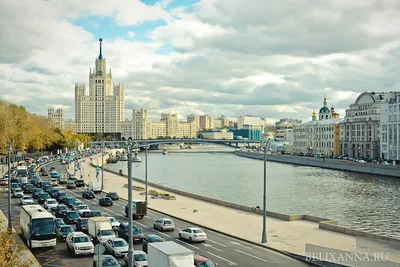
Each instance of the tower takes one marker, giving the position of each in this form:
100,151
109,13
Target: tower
324,112
314,116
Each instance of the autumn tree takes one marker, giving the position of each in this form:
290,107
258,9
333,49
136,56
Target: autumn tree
11,253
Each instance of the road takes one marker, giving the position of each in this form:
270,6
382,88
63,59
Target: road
224,250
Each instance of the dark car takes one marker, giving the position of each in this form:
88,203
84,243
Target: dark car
53,193
61,196
71,217
151,239
43,184
48,188
70,202
97,213
42,197
203,261
37,192
28,188
44,173
63,231
82,225
80,183
88,194
113,195
58,222
71,185
105,201
61,211
137,234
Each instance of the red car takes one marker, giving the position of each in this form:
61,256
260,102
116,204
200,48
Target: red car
203,261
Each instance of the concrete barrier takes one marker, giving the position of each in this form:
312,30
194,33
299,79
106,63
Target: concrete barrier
334,164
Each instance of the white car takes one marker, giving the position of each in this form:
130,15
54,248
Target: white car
117,247
50,203
83,210
53,181
164,224
79,243
63,162
114,223
140,258
361,161
18,193
193,234
26,200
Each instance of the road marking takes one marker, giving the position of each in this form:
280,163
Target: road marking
160,232
117,205
140,224
222,245
147,217
210,246
108,209
255,257
178,229
183,242
228,261
239,244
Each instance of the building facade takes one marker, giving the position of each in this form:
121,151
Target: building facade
319,136
102,111
360,129
284,129
390,127
251,122
246,134
56,117
206,122
216,134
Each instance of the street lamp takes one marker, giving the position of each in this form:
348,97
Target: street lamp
131,147
266,145
145,173
9,187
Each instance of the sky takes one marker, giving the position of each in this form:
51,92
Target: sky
274,59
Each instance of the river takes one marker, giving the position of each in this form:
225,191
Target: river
359,201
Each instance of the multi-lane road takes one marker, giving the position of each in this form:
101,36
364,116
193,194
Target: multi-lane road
224,250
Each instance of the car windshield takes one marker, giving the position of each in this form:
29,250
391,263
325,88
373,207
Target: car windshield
205,264
44,196
62,193
140,257
109,262
97,213
38,190
27,198
81,239
66,229
18,190
51,202
198,231
106,232
168,222
120,243
73,215
82,207
62,208
42,226
83,222
112,219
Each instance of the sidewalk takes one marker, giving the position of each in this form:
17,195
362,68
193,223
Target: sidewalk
289,236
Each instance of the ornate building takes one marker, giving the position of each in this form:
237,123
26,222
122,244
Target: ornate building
318,136
390,127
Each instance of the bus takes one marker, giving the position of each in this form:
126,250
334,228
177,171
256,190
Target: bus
37,226
22,171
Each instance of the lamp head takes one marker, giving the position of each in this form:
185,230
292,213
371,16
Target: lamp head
136,160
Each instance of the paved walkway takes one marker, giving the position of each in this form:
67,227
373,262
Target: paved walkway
290,236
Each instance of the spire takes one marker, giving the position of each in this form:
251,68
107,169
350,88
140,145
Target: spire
325,103
101,51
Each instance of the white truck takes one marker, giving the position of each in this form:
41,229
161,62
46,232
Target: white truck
95,187
100,229
169,254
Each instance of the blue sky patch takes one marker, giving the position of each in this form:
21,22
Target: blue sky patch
165,49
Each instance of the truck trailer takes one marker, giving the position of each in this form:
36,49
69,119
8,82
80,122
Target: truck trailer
99,228
139,209
169,254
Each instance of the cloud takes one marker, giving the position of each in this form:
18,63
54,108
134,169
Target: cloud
271,59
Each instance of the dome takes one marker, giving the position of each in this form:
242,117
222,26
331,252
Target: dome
324,110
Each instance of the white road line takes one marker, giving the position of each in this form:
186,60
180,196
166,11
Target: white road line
161,233
117,205
140,224
255,257
210,246
222,245
240,244
230,262
178,229
147,216
108,210
186,243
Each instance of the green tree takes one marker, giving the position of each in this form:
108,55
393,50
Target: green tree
11,253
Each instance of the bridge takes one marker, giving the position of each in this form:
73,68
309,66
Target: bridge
150,142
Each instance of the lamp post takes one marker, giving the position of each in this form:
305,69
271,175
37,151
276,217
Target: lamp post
265,144
102,162
145,174
131,148
9,187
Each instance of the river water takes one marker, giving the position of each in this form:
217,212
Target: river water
359,201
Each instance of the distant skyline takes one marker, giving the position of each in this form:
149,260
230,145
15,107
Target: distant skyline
264,58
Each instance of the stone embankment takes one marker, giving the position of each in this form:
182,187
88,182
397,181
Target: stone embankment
335,164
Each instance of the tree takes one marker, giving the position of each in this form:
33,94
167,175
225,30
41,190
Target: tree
11,252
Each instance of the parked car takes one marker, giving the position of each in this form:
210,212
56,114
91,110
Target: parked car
63,231
113,195
117,247
192,234
164,224
105,201
150,239
88,194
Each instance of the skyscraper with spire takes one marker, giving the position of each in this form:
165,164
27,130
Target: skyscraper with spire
102,110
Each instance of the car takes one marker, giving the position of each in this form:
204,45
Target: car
117,247
79,244
203,261
105,260
63,162
88,194
82,225
18,192
151,239
61,211
53,193
62,196
192,234
50,203
113,195
71,217
63,231
4,182
14,186
58,222
54,181
71,185
42,197
105,201
37,192
137,234
97,213
44,173
26,200
80,182
70,202
164,224
28,188
83,210
48,188
140,258
114,223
